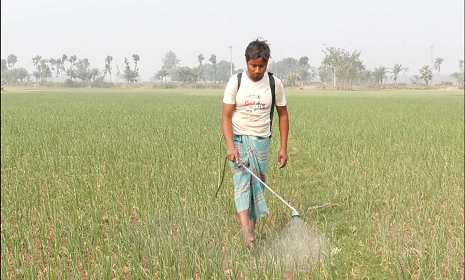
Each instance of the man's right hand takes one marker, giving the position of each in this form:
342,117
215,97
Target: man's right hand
233,154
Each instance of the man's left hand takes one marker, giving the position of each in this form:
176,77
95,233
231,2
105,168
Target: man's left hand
282,158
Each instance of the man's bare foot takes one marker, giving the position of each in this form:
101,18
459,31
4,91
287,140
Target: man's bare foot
250,242
248,238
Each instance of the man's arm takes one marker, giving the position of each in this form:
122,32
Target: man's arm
228,109
284,133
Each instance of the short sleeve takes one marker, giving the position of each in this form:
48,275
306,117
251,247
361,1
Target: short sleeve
230,92
280,96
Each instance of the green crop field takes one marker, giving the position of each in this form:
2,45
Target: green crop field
120,184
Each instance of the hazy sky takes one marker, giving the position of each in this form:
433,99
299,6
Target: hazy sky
386,32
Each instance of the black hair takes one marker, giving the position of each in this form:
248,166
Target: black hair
258,48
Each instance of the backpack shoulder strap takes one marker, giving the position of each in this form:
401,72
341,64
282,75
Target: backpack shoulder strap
239,76
273,96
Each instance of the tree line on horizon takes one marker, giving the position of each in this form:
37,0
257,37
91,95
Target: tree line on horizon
340,68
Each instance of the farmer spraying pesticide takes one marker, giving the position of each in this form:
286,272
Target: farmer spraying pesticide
248,106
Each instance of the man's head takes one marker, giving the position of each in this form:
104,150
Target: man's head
257,55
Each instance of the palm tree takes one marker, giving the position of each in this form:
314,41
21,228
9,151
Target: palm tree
213,62
71,73
437,65
36,75
94,73
108,61
198,73
161,75
426,74
21,74
379,74
395,70
53,66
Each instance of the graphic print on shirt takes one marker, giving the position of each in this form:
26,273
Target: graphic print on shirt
252,104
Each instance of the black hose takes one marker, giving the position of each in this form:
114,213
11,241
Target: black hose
220,174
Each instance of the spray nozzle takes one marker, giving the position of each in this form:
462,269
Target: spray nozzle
295,214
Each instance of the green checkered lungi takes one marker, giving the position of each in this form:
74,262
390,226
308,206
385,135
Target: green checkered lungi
248,191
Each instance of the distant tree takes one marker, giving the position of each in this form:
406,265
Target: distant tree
223,71
11,60
127,72
58,66
36,60
4,65
72,60
71,73
19,74
198,71
380,74
459,77
108,66
130,75
285,66
135,73
332,61
406,70
303,69
366,77
415,80
395,70
161,75
345,66
200,58
64,58
52,62
324,73
426,74
170,63
83,70
22,74
271,67
437,64
94,74
291,66
185,75
36,75
292,78
118,73
44,70
353,67
213,62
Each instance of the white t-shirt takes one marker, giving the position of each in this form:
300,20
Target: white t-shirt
251,114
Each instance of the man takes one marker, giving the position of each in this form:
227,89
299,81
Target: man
246,125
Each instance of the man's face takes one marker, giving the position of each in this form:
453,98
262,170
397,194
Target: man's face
256,68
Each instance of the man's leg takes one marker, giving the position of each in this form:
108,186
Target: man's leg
247,227
252,224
